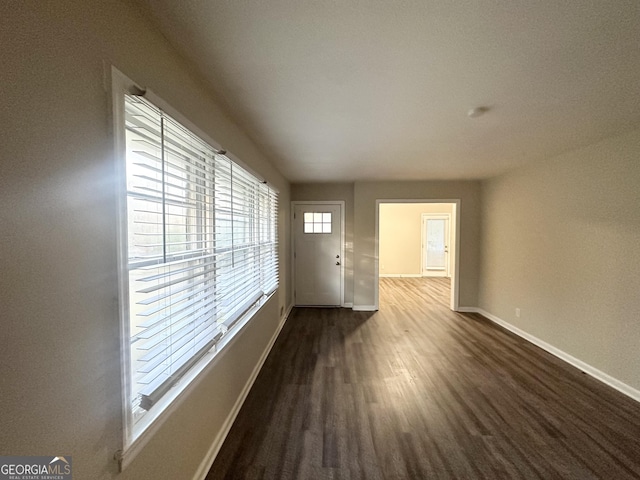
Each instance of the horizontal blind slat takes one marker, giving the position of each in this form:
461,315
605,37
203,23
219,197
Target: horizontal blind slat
202,247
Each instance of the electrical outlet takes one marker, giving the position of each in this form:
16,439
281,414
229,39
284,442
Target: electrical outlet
517,313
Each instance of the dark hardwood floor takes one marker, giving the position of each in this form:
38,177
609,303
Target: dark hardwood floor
418,391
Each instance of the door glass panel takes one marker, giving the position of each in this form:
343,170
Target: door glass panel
317,222
435,244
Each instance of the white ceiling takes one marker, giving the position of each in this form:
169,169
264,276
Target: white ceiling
339,90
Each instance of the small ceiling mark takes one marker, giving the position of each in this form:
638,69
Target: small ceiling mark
477,112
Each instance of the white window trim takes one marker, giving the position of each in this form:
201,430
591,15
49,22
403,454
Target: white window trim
136,437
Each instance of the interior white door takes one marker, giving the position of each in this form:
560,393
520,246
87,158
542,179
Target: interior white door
436,245
317,254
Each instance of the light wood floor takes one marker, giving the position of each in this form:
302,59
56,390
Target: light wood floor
417,391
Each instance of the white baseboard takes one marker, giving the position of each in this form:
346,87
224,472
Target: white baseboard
365,308
215,447
468,310
348,305
400,275
585,367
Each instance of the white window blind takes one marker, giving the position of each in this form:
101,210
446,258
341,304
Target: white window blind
201,248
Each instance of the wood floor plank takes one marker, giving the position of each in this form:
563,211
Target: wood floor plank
418,391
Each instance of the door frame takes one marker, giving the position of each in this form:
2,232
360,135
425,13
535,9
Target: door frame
423,251
342,205
454,303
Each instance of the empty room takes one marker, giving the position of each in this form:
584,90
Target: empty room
315,239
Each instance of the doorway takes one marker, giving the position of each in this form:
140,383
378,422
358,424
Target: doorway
318,253
400,242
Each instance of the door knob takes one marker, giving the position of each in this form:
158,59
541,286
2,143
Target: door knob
337,263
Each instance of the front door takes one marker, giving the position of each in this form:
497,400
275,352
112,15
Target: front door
317,254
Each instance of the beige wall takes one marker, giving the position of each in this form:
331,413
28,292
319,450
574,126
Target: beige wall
326,192
561,241
400,236
59,350
365,196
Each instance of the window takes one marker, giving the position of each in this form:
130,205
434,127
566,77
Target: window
200,249
315,222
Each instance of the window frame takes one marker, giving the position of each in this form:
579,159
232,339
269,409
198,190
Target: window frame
137,434
314,222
